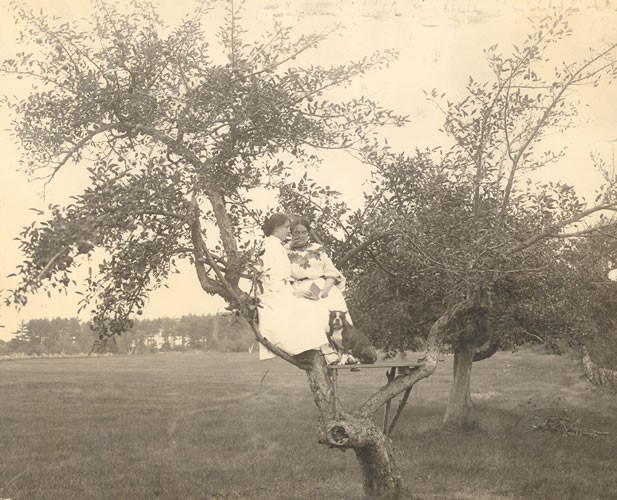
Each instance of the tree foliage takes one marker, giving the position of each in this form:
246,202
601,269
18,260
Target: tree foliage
469,216
467,223
176,128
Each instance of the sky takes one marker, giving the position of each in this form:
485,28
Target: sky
440,44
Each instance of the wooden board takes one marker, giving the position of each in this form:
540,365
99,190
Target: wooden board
379,364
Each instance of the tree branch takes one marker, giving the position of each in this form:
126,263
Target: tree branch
553,231
572,79
208,284
429,361
365,244
60,253
222,287
75,149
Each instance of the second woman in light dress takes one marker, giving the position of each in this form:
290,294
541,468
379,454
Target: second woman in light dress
311,266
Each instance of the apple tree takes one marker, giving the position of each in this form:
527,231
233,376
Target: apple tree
470,223
172,128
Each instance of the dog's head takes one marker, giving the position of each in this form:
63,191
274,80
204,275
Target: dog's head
338,320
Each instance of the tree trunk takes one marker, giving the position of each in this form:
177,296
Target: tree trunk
374,451
339,429
380,471
458,411
475,335
381,476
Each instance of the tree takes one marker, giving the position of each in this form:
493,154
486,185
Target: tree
21,337
196,329
4,348
175,136
469,227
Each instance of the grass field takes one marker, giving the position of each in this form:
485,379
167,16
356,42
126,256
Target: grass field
201,425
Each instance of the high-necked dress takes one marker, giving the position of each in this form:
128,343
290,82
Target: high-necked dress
311,264
292,323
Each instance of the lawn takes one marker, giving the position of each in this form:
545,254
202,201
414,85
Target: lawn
205,425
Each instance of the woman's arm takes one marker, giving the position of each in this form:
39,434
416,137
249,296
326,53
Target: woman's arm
275,268
330,273
330,282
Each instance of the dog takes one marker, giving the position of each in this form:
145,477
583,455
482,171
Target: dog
350,343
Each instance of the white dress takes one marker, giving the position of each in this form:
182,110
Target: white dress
294,324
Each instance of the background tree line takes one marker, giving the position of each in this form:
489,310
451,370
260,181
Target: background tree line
212,332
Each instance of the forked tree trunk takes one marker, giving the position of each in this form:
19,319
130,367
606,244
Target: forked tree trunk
374,451
340,429
458,411
380,472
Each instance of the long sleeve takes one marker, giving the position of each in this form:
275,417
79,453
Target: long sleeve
329,270
312,262
275,266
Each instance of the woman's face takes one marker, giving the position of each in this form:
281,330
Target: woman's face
299,235
281,232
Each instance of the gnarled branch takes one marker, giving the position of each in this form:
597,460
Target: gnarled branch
429,361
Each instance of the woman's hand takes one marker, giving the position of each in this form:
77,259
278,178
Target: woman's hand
303,294
325,293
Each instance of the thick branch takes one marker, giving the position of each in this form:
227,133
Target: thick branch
365,244
487,352
174,145
275,349
221,287
398,385
228,239
208,284
553,231
430,358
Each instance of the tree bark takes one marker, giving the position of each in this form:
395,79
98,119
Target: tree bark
374,450
473,336
340,429
381,475
458,411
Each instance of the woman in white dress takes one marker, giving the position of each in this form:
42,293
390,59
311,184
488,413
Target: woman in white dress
287,318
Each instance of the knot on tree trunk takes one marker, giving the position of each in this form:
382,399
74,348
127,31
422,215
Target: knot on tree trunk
356,433
381,475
